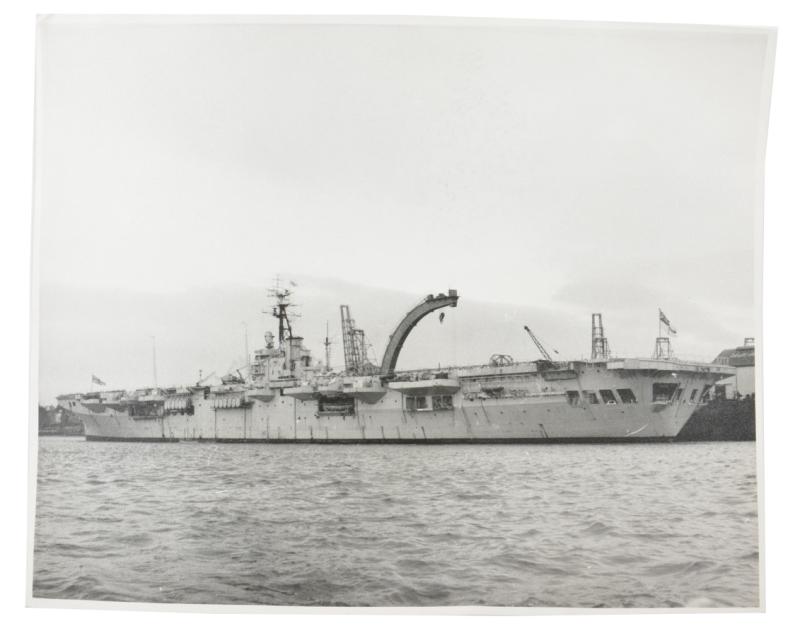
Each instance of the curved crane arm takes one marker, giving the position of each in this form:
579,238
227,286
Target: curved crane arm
398,338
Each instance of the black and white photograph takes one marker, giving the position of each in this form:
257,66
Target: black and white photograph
426,313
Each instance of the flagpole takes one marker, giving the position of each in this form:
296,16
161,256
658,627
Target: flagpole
155,373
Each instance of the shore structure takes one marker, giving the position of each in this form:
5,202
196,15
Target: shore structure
731,412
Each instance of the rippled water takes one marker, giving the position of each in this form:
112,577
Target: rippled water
550,525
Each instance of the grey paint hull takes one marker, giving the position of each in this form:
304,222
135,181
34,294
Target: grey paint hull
492,421
533,407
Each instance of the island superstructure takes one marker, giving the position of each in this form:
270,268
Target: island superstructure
288,397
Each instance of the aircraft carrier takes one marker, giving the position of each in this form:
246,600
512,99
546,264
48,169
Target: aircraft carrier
285,396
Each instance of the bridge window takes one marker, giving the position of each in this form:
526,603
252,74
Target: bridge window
663,392
704,395
442,402
608,397
590,396
572,397
678,394
626,395
693,396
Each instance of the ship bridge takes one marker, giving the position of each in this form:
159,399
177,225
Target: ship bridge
398,338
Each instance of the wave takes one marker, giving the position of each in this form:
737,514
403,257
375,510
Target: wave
227,524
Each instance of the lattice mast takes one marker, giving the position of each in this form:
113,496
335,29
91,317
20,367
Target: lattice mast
280,310
600,349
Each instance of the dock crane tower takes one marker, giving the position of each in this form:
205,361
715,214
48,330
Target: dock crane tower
354,344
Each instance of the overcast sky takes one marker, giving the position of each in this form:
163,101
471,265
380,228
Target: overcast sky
543,170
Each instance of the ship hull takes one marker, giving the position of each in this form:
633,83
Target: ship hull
450,441
128,439
617,401
289,420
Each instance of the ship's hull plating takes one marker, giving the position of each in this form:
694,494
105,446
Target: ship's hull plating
532,420
535,410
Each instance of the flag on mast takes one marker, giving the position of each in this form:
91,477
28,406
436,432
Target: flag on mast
98,381
663,318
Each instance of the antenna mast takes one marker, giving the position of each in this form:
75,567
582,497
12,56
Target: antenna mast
155,372
246,345
280,310
327,349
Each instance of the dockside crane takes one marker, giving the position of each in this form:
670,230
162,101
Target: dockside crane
541,348
354,344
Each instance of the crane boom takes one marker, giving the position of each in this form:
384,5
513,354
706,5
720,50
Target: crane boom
544,353
398,337
202,379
